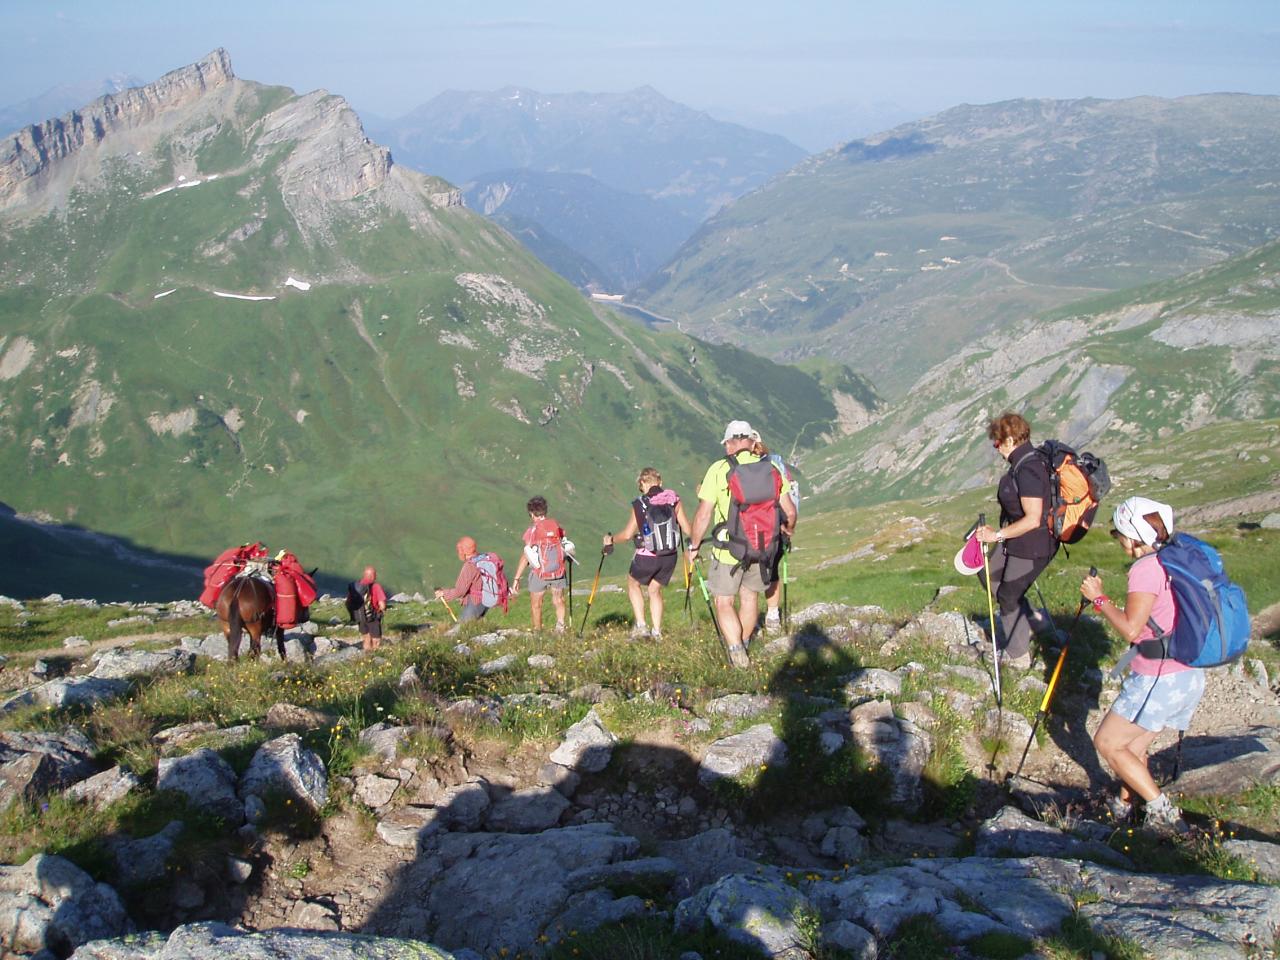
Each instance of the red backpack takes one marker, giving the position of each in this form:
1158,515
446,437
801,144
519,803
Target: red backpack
753,530
548,540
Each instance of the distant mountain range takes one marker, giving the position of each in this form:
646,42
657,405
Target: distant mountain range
59,100
591,234
638,172
894,252
226,315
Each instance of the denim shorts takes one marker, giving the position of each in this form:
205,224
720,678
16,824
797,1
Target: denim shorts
1160,703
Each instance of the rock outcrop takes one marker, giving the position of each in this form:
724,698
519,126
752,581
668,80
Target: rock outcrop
27,157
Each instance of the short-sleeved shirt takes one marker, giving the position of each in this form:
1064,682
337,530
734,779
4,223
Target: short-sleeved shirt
1027,476
715,487
1147,576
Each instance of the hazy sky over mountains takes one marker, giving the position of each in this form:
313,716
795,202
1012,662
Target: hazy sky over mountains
747,57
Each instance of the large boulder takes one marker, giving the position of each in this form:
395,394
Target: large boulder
217,941
739,706
1229,762
49,903
587,745
285,766
123,663
33,763
1012,833
751,749
758,913
895,745
105,788
527,811
206,780
475,889
145,860
72,692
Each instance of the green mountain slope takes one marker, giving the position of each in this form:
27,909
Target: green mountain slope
1121,373
891,253
431,376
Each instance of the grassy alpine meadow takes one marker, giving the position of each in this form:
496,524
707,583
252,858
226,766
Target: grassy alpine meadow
896,557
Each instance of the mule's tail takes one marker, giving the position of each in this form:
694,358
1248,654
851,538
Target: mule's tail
235,626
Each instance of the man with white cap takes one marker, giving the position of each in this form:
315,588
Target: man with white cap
1158,693
727,577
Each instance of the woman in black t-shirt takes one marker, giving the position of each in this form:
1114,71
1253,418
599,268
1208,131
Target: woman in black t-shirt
1024,544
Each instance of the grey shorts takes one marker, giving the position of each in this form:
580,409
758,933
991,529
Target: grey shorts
1160,703
723,582
538,585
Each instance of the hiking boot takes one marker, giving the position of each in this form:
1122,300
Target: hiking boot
738,656
559,628
655,634
1119,810
1164,818
640,632
772,625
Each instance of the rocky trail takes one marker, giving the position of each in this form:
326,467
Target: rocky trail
491,847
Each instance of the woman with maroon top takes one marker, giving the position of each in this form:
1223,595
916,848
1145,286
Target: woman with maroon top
1024,544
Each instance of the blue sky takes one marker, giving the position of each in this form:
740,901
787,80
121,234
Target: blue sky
742,58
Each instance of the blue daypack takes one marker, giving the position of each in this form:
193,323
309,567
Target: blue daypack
1211,625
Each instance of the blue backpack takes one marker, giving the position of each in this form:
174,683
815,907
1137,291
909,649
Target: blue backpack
1211,626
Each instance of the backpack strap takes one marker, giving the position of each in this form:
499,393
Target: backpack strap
639,507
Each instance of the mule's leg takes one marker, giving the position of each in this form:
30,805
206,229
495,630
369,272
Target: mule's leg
279,633
232,630
255,639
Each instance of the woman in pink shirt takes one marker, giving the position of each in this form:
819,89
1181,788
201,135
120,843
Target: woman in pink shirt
1158,693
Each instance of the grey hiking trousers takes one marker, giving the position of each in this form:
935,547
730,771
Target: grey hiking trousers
1011,578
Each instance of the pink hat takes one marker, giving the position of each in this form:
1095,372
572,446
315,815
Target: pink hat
969,557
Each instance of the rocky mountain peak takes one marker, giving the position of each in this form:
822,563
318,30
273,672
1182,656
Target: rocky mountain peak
27,156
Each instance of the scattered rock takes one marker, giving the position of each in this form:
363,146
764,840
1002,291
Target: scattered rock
33,764
206,780
406,826
587,745
739,705
478,889
384,740
500,665
237,870
464,806
871,683
284,765
562,778
122,663
527,811
1258,854
898,746
751,749
287,716
757,913
410,678
1012,833
217,941
540,661
1228,763
104,788
75,643
75,692
144,861
49,903
375,791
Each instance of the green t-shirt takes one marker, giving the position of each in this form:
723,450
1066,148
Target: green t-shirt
715,487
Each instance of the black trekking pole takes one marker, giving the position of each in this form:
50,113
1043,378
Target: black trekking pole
1053,683
786,579
595,584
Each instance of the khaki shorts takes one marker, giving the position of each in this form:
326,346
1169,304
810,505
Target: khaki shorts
723,582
